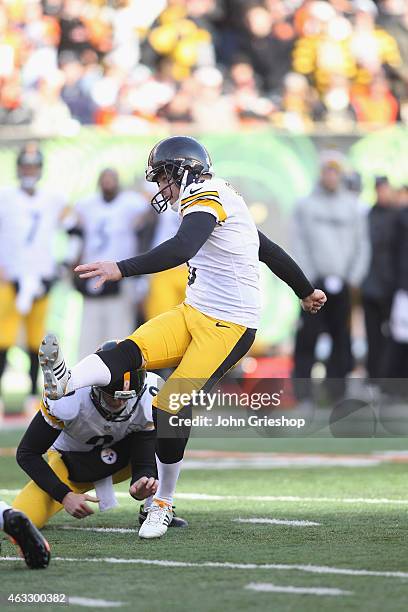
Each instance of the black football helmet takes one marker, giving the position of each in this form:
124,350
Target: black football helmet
29,165
173,157
112,400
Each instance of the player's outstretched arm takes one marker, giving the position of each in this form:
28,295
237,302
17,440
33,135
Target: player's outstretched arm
281,264
194,230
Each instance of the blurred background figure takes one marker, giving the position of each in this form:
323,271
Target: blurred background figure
29,220
330,243
166,289
396,363
104,227
378,286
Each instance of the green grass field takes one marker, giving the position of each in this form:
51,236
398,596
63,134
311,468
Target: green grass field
358,547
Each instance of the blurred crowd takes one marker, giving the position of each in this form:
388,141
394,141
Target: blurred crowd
210,63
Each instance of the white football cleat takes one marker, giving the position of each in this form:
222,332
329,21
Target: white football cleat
56,375
159,517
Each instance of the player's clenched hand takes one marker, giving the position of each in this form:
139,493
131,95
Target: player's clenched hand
75,504
103,270
144,487
313,302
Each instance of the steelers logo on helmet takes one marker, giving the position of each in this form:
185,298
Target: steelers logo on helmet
120,399
29,166
178,160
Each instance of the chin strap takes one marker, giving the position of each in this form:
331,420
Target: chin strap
184,180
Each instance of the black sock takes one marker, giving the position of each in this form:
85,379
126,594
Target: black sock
3,359
171,440
126,356
34,365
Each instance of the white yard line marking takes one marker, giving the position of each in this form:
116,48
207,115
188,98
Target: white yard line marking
290,498
94,603
266,498
268,521
278,462
99,529
266,587
280,498
310,569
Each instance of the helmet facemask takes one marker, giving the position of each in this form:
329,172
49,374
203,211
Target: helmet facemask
172,174
112,401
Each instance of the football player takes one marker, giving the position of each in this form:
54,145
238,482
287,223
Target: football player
34,547
103,226
29,216
206,335
95,437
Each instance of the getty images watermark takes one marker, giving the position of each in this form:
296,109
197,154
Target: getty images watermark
222,400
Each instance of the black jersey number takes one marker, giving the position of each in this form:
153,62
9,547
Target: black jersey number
100,441
192,274
102,235
34,225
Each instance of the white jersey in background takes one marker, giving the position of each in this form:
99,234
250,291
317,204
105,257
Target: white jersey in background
83,427
28,226
224,274
109,228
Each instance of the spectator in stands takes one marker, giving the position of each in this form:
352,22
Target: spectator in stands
75,36
268,45
324,47
331,244
73,93
336,109
183,34
249,104
50,115
372,47
378,286
210,106
299,104
374,104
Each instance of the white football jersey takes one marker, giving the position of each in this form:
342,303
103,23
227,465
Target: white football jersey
110,227
28,225
224,274
83,427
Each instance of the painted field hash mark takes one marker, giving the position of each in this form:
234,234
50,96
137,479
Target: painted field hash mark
269,521
266,587
94,603
310,569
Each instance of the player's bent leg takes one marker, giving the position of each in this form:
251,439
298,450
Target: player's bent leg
36,503
156,344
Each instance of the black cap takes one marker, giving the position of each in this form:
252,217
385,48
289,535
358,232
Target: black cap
381,180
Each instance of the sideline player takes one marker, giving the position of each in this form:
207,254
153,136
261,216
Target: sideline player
97,435
206,335
34,547
29,216
104,226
